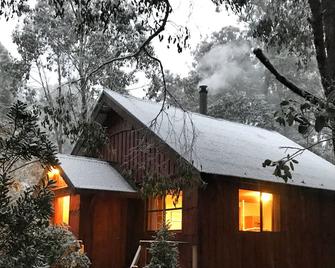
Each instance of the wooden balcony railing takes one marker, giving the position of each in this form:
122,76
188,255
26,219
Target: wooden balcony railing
142,244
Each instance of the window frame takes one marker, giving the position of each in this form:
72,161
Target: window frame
276,212
164,210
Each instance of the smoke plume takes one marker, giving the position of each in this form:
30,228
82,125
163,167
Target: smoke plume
230,67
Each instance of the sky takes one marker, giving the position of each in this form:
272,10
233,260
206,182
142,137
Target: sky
199,16
201,19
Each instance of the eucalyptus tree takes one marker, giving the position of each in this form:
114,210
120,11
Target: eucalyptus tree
56,48
306,29
11,79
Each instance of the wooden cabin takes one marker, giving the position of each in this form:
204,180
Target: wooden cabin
243,217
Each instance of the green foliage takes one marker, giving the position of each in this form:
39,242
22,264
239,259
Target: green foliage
164,254
26,238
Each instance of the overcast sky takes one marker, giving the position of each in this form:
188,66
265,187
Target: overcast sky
199,16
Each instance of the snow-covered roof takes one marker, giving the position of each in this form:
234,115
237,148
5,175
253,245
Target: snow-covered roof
90,174
222,147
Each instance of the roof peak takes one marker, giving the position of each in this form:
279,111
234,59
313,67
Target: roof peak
83,158
189,112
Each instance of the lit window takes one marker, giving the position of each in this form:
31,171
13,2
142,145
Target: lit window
62,210
258,211
166,209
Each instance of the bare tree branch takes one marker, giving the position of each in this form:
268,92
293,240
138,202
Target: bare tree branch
302,93
299,151
160,29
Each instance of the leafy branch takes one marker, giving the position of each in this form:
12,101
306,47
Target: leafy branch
142,47
284,166
322,111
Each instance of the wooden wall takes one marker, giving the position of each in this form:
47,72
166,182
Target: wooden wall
111,228
134,150
103,221
74,214
306,238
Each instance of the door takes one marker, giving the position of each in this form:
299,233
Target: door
109,232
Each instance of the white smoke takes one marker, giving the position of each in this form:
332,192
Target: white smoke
229,66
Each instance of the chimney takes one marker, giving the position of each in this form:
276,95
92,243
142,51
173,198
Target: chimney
203,99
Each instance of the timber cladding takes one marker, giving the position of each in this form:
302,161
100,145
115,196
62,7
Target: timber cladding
112,226
306,237
103,220
131,147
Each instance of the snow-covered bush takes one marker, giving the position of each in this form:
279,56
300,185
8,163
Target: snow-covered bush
164,253
26,237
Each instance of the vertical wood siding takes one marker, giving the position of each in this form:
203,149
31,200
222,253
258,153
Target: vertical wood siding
135,151
306,238
138,153
74,214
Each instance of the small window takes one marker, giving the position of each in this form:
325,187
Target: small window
258,211
62,210
166,209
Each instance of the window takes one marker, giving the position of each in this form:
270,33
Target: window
62,210
166,209
258,211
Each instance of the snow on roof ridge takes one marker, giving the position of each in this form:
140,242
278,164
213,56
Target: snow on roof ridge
84,158
228,148
190,112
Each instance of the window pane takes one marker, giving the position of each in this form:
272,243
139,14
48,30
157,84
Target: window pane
155,220
66,209
267,211
155,203
173,202
167,210
174,219
249,211
62,210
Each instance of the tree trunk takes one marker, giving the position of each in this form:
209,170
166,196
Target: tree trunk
323,25
59,131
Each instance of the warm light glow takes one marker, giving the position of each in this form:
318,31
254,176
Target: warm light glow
173,217
266,197
249,207
66,209
62,210
53,173
168,210
253,205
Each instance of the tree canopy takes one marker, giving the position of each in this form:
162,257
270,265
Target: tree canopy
305,29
